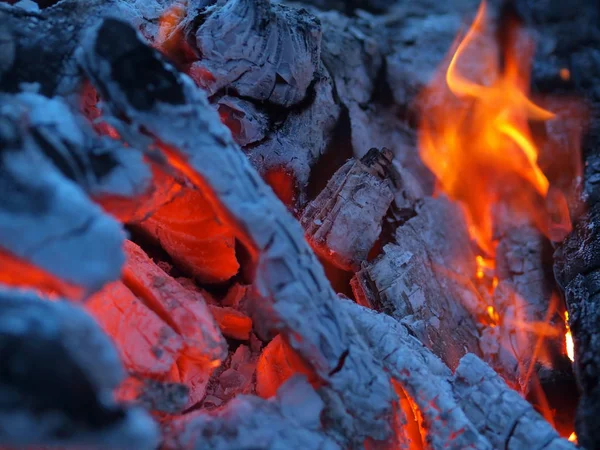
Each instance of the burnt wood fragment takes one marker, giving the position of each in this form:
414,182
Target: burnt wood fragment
423,280
344,221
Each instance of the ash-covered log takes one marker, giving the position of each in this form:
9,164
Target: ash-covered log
499,413
46,218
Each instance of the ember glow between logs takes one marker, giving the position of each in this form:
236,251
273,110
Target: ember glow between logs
477,136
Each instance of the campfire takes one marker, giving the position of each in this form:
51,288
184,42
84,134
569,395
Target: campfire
242,224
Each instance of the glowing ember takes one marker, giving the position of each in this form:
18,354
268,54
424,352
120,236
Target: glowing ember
569,339
565,74
475,134
573,437
23,274
494,317
168,32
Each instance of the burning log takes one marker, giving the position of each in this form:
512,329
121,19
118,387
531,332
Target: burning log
58,374
472,409
423,280
344,221
529,327
288,276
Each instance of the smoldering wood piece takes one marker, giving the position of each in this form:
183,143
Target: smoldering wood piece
577,269
424,377
169,332
276,364
423,280
296,292
344,221
101,166
499,413
263,50
236,376
290,420
58,373
232,323
46,219
198,241
186,311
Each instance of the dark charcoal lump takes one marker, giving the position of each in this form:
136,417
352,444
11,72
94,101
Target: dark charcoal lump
137,67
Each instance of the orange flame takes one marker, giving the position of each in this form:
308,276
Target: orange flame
475,135
569,339
573,437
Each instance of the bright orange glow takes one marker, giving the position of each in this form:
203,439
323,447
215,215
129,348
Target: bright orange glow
573,437
569,339
413,430
22,274
484,266
494,317
475,134
169,34
565,74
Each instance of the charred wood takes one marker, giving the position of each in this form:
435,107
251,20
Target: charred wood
58,374
498,412
577,271
423,280
344,221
